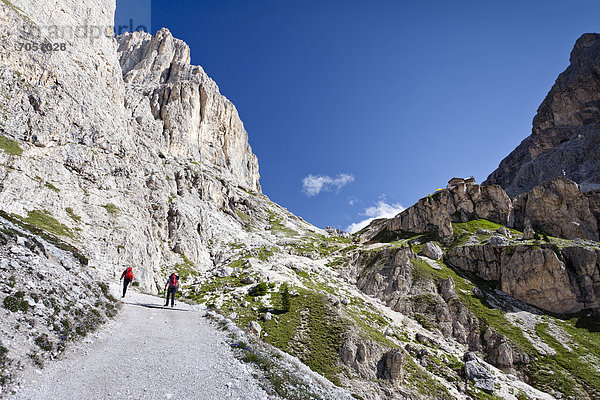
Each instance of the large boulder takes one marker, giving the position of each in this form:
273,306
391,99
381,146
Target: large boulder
484,260
432,250
499,241
480,375
391,366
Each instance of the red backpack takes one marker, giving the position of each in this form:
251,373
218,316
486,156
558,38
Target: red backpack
173,281
128,273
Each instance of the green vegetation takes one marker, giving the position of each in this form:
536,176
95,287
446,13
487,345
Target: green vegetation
184,269
245,218
310,330
5,375
521,395
284,291
370,328
277,227
10,146
72,214
424,383
264,253
259,290
570,371
16,302
39,230
463,231
487,315
422,271
44,342
215,287
52,187
571,367
284,384
38,361
44,220
111,208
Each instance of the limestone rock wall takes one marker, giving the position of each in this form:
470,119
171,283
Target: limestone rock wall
560,281
557,208
196,121
131,149
437,212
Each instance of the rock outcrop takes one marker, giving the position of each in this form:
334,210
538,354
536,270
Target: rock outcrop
436,213
394,276
566,129
561,281
557,208
195,120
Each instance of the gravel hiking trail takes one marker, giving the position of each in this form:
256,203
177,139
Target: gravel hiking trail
147,352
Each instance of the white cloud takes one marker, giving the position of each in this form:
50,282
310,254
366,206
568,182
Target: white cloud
312,185
380,210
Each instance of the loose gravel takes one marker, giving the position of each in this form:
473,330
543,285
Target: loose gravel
147,352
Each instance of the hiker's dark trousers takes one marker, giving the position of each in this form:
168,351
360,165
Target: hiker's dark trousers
171,293
126,283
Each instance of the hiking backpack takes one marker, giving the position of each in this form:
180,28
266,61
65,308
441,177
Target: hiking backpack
173,281
128,273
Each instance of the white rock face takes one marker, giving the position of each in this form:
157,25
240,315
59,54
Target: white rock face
197,121
134,151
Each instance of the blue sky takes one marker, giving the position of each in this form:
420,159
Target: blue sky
378,103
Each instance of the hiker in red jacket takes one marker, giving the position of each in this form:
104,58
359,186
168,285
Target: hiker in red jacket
171,288
128,275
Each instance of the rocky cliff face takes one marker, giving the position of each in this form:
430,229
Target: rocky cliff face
548,277
194,120
462,203
126,144
566,130
557,208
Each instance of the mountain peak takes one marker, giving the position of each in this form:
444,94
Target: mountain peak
565,132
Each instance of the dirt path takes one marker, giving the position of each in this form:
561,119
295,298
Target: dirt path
147,353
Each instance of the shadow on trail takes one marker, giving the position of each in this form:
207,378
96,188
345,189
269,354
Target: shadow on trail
157,306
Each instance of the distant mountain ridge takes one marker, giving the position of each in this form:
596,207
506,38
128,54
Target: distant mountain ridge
565,138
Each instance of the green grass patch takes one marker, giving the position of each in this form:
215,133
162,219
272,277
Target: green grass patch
570,367
51,187
7,145
245,219
72,214
319,342
487,315
371,325
216,286
258,290
277,227
16,303
111,208
465,230
264,253
184,269
44,220
422,271
417,378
